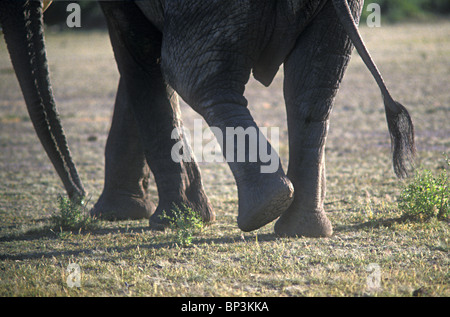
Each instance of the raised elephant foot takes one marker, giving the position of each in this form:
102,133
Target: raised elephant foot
260,205
298,223
120,206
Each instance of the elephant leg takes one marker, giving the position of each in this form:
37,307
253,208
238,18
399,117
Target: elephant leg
127,174
313,72
264,191
137,48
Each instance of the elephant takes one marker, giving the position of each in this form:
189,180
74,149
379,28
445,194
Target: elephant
205,53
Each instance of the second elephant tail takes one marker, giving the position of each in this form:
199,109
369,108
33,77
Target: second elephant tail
400,125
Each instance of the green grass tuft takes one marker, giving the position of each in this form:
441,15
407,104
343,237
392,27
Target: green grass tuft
185,223
72,215
427,196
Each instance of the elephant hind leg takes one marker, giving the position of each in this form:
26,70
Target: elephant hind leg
313,72
264,191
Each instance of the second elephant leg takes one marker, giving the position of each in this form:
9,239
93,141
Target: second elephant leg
313,72
127,174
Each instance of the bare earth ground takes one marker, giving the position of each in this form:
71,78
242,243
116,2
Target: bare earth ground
361,200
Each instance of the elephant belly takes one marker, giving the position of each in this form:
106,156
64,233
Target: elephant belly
290,19
248,34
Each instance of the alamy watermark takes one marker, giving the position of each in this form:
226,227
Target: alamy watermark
74,17
74,277
373,280
236,145
241,145
374,18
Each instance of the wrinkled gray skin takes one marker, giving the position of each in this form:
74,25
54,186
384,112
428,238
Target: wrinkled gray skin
22,25
205,51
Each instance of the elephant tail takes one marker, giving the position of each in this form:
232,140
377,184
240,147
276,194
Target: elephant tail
23,31
399,122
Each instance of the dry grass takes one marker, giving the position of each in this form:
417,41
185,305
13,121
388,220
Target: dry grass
361,200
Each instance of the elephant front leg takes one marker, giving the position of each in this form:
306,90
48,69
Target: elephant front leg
313,72
125,194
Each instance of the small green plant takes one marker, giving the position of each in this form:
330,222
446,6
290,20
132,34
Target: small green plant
185,223
72,215
427,196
